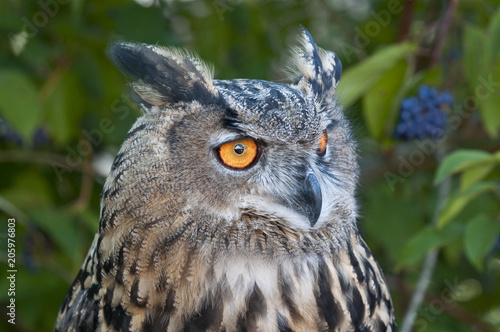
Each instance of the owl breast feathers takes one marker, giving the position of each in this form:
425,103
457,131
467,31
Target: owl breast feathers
230,207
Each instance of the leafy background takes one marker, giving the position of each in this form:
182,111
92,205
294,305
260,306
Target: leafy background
428,206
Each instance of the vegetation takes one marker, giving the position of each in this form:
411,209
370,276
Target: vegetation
429,204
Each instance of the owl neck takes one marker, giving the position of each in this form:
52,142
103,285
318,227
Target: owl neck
179,257
153,236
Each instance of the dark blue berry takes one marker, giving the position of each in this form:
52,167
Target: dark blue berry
423,116
446,98
409,103
426,93
40,137
9,135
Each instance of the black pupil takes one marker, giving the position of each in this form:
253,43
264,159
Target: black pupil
239,148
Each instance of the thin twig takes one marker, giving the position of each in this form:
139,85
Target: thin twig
445,304
11,210
86,188
443,32
404,27
48,158
431,258
54,78
418,295
459,313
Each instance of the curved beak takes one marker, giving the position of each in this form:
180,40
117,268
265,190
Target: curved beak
306,198
312,200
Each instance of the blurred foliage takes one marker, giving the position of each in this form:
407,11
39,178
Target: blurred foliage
64,112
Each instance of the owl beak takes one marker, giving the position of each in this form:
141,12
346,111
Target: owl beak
312,200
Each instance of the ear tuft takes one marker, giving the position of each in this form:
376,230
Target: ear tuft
320,70
163,76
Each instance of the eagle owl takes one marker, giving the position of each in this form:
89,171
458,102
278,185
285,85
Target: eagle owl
230,207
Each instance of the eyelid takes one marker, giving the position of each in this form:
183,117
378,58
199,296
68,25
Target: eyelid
224,137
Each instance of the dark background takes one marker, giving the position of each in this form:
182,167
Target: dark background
64,112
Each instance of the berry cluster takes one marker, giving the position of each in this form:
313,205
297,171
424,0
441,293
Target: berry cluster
423,116
10,136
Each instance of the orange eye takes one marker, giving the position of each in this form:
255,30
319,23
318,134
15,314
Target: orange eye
322,143
239,154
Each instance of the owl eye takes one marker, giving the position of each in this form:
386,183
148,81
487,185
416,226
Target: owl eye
322,143
239,154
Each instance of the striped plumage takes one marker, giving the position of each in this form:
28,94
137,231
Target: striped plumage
186,244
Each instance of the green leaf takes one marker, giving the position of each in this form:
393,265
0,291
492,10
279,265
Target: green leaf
489,105
455,204
475,173
482,69
380,101
494,32
64,108
19,102
383,211
29,189
427,239
433,76
460,160
359,79
480,235
475,43
418,246
62,228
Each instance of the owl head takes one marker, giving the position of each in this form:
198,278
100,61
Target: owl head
212,150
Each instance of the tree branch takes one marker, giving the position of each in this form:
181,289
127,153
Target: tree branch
87,184
11,210
431,258
443,31
404,27
12,156
459,313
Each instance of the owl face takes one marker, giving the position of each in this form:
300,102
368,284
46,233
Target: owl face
227,147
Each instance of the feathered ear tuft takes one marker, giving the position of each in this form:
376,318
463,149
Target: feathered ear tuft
320,69
163,76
